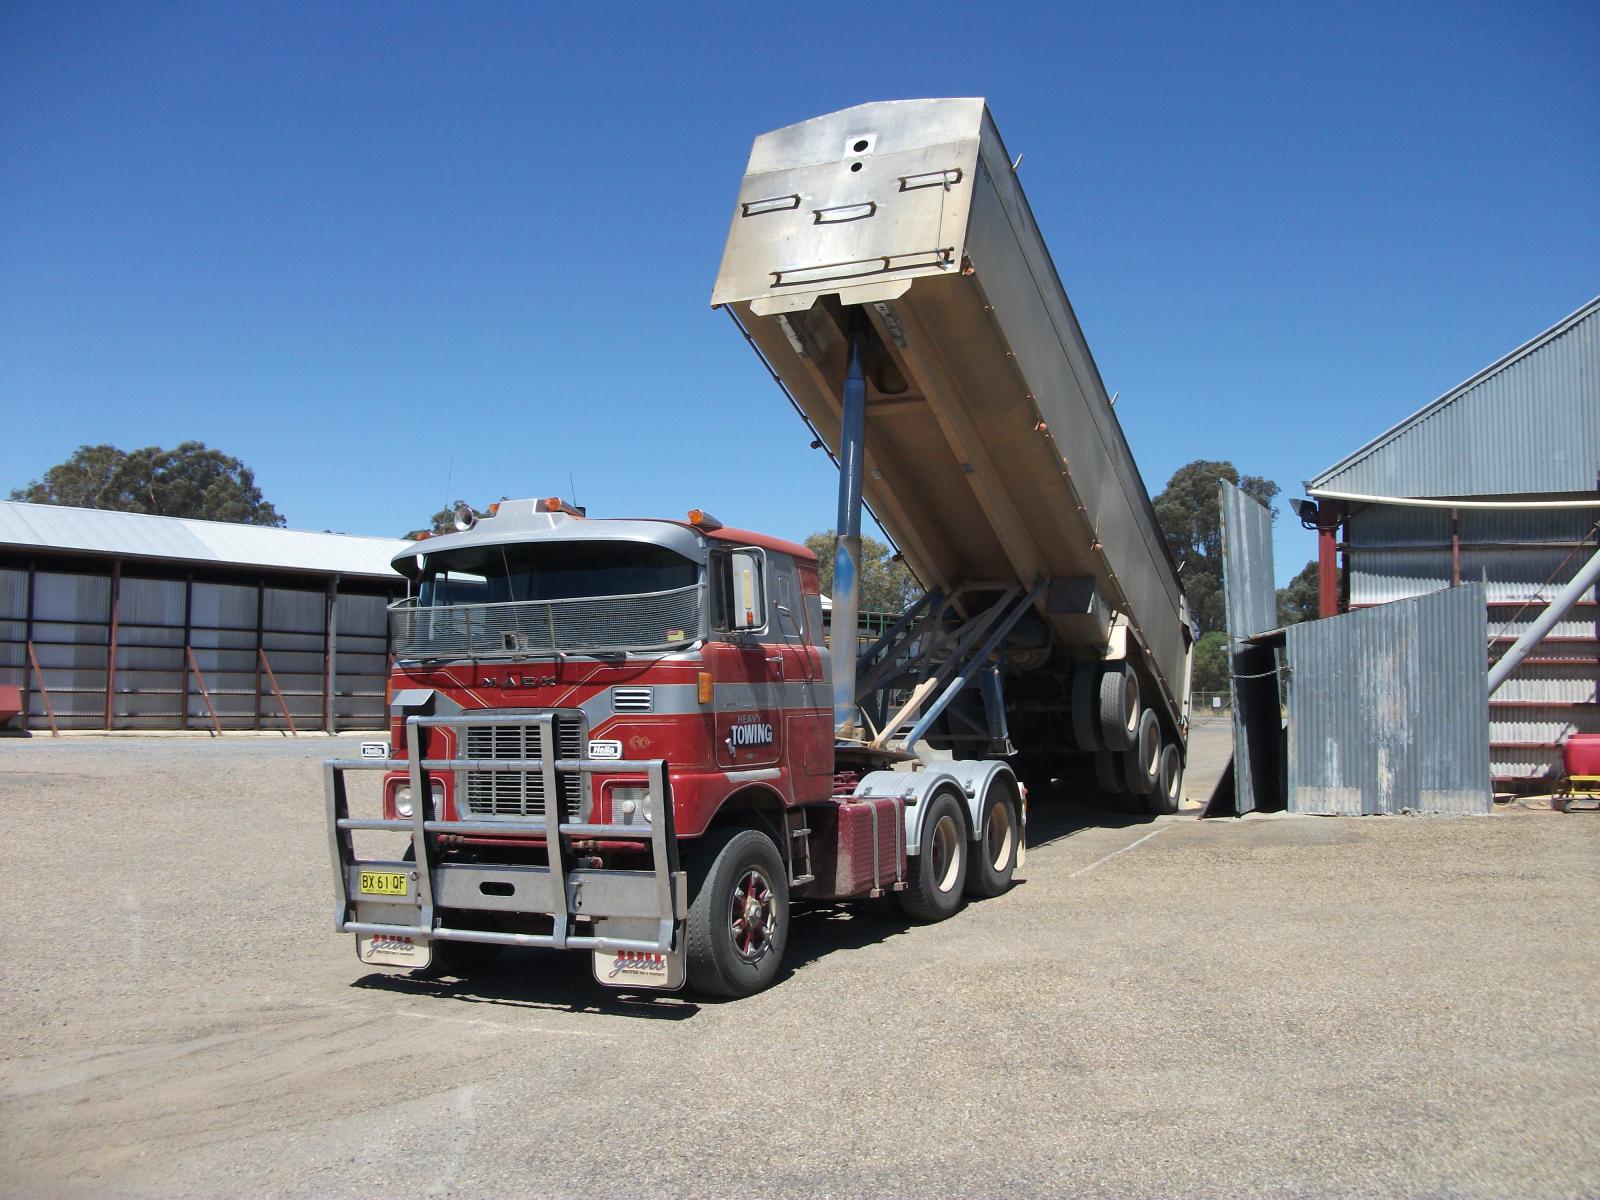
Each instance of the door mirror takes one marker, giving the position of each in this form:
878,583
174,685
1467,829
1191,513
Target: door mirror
748,609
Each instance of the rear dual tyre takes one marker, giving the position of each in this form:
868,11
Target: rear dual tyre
994,854
1168,792
936,878
1141,761
1118,707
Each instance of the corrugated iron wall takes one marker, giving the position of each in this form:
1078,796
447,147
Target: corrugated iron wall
157,624
1522,558
1388,709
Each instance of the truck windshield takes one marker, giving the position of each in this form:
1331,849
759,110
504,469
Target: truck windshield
513,600
498,574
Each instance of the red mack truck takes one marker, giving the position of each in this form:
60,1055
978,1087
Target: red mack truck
633,738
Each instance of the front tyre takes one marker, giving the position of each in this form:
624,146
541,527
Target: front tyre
739,916
936,879
995,851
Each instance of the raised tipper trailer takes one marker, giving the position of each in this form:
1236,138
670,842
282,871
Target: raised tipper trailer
626,738
990,451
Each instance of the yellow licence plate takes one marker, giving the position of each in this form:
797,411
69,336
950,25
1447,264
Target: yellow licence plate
383,883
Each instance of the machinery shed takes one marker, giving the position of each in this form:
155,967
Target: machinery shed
113,620
1495,482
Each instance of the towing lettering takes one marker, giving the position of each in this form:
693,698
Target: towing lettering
751,735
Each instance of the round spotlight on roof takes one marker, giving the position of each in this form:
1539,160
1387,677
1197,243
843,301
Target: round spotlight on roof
465,517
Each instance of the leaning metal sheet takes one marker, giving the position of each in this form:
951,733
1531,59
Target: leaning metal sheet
1251,601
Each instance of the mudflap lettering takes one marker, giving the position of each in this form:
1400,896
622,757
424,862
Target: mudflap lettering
393,950
640,969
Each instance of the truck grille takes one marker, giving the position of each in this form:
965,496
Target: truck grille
514,794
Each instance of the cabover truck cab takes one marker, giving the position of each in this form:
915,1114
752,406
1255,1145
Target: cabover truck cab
617,737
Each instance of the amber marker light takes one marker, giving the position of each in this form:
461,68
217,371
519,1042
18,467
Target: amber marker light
551,504
700,519
703,688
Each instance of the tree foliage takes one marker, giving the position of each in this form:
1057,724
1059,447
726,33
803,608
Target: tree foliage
1211,663
1298,601
1191,519
886,585
191,480
443,521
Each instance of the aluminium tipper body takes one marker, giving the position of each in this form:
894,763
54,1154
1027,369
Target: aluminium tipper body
992,451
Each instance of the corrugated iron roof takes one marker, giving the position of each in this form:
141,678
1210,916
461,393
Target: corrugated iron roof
179,539
1529,423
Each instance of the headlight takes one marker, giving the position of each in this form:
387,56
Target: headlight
402,801
630,800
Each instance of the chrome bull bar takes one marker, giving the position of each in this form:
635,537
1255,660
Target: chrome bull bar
659,895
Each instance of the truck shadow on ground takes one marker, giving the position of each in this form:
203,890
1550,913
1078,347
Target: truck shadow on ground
1053,817
563,981
555,980
552,980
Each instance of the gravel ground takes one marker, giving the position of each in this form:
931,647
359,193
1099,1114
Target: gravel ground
1270,1006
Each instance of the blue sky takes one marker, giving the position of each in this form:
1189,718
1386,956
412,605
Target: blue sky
393,253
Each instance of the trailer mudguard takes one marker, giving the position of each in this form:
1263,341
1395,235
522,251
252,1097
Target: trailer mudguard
977,777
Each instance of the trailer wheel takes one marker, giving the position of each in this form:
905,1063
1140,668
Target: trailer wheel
739,914
1086,706
1168,793
995,852
936,878
1141,762
1108,772
1119,707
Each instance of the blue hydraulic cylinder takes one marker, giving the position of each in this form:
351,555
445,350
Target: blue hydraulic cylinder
847,550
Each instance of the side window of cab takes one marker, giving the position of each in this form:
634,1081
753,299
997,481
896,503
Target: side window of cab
785,604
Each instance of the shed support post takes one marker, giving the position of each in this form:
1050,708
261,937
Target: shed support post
27,636
111,644
330,718
1328,514
44,692
188,645
283,705
261,645
205,694
1455,547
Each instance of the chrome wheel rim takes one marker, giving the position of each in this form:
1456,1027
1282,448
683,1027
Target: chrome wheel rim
752,915
945,852
997,839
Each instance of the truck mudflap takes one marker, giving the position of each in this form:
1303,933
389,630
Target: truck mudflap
393,907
